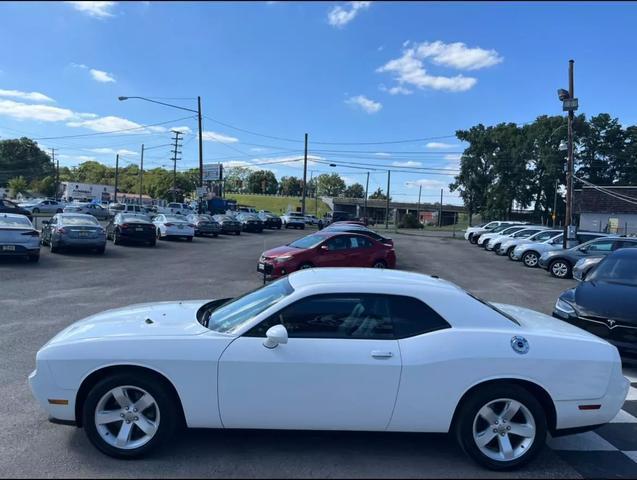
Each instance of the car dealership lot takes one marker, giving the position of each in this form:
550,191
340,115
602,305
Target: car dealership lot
37,300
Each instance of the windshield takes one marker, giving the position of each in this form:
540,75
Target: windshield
621,270
88,220
15,222
176,218
206,218
233,315
310,241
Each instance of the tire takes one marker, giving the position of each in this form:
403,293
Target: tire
33,258
101,250
530,259
158,234
561,269
279,227
53,248
496,247
189,239
305,265
237,233
116,239
215,235
36,210
379,264
302,227
510,253
162,414
528,419
153,243
286,226
472,239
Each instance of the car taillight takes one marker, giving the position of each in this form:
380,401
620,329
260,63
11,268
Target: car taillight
61,230
124,225
169,224
33,233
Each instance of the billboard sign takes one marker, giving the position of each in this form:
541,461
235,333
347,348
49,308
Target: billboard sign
212,172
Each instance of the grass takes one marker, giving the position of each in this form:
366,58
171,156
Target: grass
279,205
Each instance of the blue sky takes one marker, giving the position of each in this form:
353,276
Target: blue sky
344,72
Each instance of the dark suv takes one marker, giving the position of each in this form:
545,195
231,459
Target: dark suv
7,206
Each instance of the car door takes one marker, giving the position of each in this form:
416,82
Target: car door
340,369
334,252
362,251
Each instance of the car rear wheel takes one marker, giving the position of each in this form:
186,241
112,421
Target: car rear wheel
473,239
560,269
501,426
36,210
158,234
530,259
34,258
189,239
116,239
305,265
126,415
379,264
53,248
510,252
152,243
101,250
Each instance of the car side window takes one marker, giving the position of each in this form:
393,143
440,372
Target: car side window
354,316
601,246
338,243
360,242
624,244
412,317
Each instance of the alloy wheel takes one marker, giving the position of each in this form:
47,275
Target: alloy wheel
530,260
559,269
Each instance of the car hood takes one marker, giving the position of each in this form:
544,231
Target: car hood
607,300
282,250
166,319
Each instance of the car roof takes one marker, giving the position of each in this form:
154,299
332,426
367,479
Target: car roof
13,215
625,253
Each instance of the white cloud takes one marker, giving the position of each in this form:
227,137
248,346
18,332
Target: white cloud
94,9
290,160
35,96
453,157
112,151
218,137
102,76
78,158
156,129
439,145
339,16
458,55
382,154
369,106
123,151
45,113
258,149
348,180
408,163
108,123
426,183
397,90
86,115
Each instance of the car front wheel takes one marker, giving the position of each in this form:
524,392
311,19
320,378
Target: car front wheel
127,415
560,269
501,426
530,259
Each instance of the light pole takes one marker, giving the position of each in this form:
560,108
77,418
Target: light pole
198,112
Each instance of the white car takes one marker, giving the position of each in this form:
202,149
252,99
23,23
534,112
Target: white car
176,208
508,247
495,243
43,206
294,220
94,209
483,240
311,220
173,226
18,237
483,227
332,349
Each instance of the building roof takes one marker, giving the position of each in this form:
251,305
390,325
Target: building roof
591,200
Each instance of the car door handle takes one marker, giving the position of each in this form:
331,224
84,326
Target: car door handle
380,354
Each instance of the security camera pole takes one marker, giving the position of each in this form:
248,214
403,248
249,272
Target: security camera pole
570,104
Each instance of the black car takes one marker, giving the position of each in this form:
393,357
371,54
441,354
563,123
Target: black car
228,224
362,230
204,224
605,304
270,220
131,228
250,222
7,206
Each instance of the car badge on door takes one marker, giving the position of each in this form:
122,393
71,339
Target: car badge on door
520,345
611,323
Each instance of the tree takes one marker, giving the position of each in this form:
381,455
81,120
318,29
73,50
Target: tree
17,185
46,186
22,157
355,190
291,186
330,185
236,179
601,150
262,181
379,195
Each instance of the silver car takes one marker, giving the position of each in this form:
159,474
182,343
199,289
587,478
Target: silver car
40,205
530,253
93,209
18,237
529,235
584,265
70,230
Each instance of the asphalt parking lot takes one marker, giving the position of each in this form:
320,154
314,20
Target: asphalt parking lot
38,300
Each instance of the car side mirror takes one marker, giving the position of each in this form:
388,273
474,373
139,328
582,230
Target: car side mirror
324,248
275,335
583,249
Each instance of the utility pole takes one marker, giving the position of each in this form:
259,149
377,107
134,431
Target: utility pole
387,202
57,173
418,211
304,177
141,176
440,214
555,202
116,175
366,188
175,152
200,142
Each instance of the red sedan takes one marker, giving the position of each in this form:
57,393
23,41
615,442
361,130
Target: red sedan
327,249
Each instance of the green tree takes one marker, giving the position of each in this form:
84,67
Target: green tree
22,157
355,190
18,185
330,185
262,181
291,186
46,186
601,147
378,195
236,179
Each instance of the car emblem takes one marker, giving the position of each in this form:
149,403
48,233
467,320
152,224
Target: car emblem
520,345
611,323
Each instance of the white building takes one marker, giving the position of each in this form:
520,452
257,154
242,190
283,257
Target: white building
86,192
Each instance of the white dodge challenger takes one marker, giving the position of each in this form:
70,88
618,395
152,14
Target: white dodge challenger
332,349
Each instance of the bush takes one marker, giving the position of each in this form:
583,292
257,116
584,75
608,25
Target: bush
410,221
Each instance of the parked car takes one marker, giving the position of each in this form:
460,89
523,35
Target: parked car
173,226
584,266
327,249
311,220
483,239
495,243
94,209
131,228
530,253
228,224
73,230
347,350
470,232
176,208
360,223
250,222
353,228
204,225
294,220
43,205
7,206
18,237
246,210
559,263
115,208
605,303
270,220
508,247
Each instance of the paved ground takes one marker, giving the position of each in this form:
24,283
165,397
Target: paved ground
37,300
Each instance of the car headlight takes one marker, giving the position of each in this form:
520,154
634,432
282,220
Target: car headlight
283,259
564,306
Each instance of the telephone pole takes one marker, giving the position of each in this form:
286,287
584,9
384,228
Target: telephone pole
387,201
440,214
366,187
555,203
141,176
57,173
304,177
418,211
116,175
175,152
